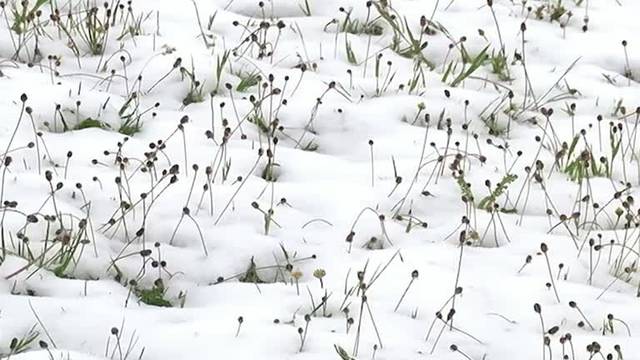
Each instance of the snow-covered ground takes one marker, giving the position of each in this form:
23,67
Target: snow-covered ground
319,179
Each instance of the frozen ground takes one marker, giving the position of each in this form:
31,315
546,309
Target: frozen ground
321,179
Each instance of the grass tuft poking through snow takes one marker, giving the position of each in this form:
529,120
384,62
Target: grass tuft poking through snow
319,179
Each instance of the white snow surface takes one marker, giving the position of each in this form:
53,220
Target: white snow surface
330,181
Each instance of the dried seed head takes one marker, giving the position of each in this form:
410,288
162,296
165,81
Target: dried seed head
350,237
543,247
319,273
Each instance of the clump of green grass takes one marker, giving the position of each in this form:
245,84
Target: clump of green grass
270,172
500,65
357,27
130,115
251,274
93,30
552,10
583,165
154,296
221,62
70,248
474,63
63,243
91,123
489,202
24,14
404,41
247,80
196,87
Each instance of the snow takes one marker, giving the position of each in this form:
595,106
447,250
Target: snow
352,161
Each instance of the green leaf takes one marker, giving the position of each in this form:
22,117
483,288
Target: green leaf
488,202
572,148
475,64
90,123
153,297
251,275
